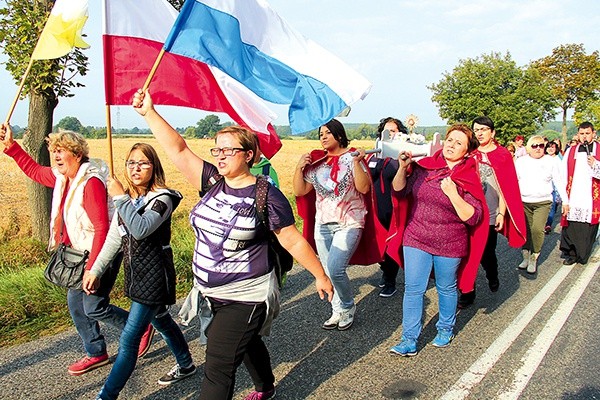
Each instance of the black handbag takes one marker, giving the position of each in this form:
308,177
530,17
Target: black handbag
66,267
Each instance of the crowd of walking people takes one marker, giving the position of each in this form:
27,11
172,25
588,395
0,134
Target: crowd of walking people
434,217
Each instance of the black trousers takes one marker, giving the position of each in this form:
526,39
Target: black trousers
390,268
577,240
233,337
489,261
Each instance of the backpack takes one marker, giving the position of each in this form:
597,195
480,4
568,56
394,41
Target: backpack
279,258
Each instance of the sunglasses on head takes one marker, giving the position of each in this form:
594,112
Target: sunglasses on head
538,146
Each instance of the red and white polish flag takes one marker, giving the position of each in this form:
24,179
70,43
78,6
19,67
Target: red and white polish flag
134,32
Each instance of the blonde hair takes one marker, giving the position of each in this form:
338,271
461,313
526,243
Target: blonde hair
70,141
534,138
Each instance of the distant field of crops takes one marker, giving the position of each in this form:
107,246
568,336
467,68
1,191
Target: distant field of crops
14,218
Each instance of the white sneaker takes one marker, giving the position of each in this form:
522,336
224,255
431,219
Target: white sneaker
532,267
346,319
525,263
332,322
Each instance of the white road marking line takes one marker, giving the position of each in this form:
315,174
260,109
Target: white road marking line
479,369
539,348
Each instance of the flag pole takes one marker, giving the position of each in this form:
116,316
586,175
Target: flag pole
14,103
109,137
153,70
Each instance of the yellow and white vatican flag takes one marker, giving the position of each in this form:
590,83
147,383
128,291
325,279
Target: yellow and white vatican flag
61,33
63,30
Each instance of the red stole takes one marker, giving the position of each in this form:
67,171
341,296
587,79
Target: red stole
466,175
595,185
371,248
515,227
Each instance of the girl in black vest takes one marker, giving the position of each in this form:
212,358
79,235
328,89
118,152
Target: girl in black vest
141,227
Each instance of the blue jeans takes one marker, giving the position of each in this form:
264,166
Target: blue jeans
140,315
417,269
555,205
335,245
87,310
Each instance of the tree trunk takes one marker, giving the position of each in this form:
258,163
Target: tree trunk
564,128
41,111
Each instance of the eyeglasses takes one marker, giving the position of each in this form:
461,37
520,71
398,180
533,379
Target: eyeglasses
482,129
227,151
142,164
538,146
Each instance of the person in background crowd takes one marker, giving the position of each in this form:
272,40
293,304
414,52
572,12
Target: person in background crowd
444,187
560,148
79,218
263,166
553,151
382,172
520,150
503,198
141,227
580,205
234,285
511,149
538,175
339,180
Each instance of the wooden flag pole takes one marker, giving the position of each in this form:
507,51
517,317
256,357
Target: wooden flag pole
109,137
108,124
14,103
153,70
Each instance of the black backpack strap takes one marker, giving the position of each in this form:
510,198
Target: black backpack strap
262,188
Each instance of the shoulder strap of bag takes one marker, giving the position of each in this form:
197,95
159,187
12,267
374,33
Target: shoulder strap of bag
262,187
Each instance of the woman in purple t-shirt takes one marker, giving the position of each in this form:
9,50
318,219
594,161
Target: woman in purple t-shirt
230,263
446,201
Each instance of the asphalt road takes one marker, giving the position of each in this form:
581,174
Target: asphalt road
536,338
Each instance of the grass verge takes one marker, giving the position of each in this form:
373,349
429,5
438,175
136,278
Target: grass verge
31,307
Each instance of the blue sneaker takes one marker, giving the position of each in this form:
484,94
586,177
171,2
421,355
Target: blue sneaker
406,348
443,338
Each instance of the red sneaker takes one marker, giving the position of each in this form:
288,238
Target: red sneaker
87,364
146,341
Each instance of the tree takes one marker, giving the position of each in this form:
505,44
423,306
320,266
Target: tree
515,98
208,126
21,22
190,132
71,124
95,132
574,77
361,132
588,110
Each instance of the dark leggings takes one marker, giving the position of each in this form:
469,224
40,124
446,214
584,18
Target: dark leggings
489,261
390,269
233,337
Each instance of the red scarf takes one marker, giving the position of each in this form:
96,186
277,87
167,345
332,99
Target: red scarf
595,185
501,161
465,175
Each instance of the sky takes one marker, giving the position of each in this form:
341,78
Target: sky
400,46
